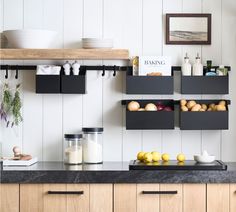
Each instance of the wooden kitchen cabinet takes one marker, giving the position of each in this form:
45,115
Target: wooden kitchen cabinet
160,197
66,197
9,197
218,198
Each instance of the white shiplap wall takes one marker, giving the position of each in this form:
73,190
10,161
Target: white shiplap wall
134,24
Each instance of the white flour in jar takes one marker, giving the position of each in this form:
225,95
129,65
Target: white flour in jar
92,152
73,155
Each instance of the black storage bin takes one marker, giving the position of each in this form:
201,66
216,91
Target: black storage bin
74,84
208,120
149,84
150,120
205,84
48,84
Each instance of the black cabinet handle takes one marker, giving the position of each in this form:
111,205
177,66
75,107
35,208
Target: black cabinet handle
66,192
159,192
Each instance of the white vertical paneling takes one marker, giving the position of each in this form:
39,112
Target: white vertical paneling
92,101
132,35
32,139
152,45
211,141
138,25
72,104
73,23
52,103
191,140
12,136
33,14
112,86
228,51
171,139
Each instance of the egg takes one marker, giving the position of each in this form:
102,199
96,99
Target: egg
133,106
151,107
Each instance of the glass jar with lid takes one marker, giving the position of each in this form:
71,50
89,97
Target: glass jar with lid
92,145
73,149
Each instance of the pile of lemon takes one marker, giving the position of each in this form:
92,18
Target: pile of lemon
148,157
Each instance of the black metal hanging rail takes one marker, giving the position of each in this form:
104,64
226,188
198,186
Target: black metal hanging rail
91,68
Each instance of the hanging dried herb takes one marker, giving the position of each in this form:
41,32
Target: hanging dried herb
16,107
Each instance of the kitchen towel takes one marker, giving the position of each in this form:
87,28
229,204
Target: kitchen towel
48,70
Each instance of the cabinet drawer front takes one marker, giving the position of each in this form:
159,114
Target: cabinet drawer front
194,197
147,201
171,202
218,198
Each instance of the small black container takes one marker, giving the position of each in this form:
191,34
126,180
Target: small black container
205,84
74,84
150,120
48,84
149,84
208,120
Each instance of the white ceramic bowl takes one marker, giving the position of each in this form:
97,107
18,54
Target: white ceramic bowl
204,159
29,38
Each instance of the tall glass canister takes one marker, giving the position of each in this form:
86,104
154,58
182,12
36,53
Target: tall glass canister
92,145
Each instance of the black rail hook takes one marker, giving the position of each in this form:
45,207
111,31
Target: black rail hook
16,76
103,70
114,74
6,76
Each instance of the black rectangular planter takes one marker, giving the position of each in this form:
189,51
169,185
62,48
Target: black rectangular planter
150,120
205,84
48,84
209,120
71,84
149,84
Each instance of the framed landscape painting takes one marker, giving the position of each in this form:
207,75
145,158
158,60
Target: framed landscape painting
188,29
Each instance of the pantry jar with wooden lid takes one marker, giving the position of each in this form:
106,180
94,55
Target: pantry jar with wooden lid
73,149
92,145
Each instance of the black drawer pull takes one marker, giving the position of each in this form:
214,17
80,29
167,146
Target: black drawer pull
159,192
66,192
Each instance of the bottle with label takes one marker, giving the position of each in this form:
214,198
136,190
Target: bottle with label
221,71
210,71
198,67
186,67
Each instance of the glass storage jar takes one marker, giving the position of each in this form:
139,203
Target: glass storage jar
73,149
92,145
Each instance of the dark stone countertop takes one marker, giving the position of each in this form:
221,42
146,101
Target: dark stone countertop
110,172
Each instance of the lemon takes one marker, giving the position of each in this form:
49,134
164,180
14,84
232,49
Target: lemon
165,157
180,163
140,156
147,157
156,163
156,156
181,157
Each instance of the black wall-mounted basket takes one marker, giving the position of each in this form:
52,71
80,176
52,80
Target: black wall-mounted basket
208,120
205,84
149,84
48,84
150,120
74,84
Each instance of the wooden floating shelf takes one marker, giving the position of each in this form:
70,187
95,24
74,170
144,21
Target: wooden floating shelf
64,54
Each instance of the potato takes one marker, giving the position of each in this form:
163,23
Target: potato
196,107
212,106
220,108
184,108
204,107
151,107
183,102
209,109
202,110
141,109
222,103
191,104
133,106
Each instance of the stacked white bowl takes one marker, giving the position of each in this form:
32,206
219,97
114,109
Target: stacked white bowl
96,43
